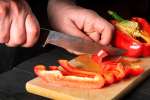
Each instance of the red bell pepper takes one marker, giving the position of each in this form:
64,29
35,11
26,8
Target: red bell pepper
132,35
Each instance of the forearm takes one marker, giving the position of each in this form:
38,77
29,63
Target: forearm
63,2
55,5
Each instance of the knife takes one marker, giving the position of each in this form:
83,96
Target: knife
78,44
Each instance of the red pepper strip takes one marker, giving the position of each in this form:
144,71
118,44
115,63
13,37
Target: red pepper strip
77,82
95,58
134,69
99,56
73,70
119,72
56,78
116,69
102,54
39,69
109,77
68,82
53,67
109,66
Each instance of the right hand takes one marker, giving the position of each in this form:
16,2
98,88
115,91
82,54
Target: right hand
66,17
18,25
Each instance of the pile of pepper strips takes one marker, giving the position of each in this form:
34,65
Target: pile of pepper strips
132,35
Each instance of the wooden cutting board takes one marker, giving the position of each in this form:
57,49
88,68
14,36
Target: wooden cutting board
112,92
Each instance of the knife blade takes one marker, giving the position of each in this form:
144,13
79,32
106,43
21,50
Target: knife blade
78,44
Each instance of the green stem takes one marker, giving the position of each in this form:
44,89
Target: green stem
115,16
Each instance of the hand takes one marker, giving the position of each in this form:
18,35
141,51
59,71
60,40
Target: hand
69,18
18,25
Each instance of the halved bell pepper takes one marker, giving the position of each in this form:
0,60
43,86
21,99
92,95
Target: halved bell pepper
132,35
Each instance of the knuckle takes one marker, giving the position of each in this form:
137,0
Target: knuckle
27,45
18,7
35,32
10,44
4,9
19,41
3,39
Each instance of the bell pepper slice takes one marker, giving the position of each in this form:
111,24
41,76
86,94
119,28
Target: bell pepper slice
99,56
119,72
39,71
53,67
116,69
72,69
134,69
56,78
109,77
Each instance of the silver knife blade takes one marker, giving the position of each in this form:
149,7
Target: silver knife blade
78,44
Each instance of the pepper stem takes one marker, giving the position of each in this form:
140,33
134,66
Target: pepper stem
115,16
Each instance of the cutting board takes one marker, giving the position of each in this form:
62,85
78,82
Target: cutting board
112,92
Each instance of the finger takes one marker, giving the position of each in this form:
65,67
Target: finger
32,30
94,36
5,22
17,31
90,30
106,29
73,30
106,36
5,29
